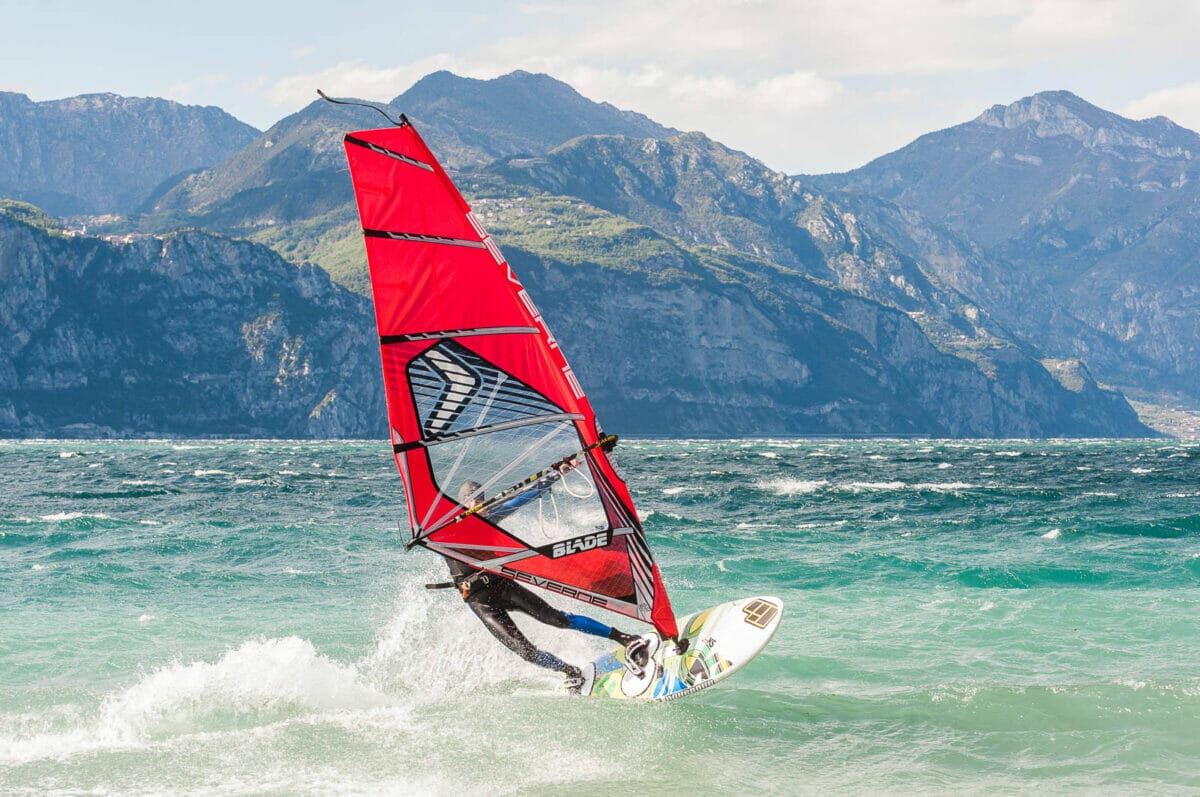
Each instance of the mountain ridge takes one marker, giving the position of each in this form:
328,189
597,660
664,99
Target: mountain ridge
1078,210
879,335
103,153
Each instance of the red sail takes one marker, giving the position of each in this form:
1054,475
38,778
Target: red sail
480,397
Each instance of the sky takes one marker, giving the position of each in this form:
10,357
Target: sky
806,86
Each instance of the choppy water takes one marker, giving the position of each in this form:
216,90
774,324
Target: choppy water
239,617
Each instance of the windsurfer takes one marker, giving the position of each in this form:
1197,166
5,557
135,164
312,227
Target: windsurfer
492,597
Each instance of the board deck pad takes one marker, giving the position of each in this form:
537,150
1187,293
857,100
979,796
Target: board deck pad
721,640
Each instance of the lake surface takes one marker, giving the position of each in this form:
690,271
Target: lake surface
240,617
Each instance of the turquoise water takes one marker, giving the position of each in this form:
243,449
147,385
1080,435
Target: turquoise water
240,617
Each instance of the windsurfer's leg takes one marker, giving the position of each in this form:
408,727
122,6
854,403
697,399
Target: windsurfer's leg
520,599
498,622
517,598
586,625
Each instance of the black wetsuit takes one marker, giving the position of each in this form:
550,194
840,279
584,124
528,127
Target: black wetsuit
492,597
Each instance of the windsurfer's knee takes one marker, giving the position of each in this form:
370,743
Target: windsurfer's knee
558,619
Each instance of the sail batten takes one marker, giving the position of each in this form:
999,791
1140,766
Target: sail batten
387,152
456,333
446,438
479,394
422,238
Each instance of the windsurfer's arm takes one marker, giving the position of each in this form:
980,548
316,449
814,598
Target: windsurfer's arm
540,488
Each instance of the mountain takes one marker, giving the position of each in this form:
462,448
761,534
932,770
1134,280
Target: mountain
670,337
696,291
473,122
288,188
702,192
188,334
101,153
1083,216
468,122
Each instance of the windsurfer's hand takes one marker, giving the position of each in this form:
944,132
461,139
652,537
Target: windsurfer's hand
568,463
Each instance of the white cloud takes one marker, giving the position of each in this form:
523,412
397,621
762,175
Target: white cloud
837,80
1181,104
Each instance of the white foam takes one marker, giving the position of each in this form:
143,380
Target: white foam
788,487
768,454
944,487
1140,471
1052,534
260,677
210,473
58,517
873,486
468,659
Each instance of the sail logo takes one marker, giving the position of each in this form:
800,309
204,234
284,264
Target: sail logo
759,613
554,586
588,542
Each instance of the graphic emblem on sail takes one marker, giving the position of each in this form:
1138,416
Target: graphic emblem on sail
480,397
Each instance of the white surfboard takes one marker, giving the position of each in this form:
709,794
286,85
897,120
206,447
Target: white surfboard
721,640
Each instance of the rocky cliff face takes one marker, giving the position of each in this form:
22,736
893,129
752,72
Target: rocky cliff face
200,335
190,334
101,153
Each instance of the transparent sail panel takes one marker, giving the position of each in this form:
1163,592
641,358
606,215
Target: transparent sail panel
552,509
